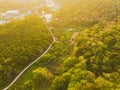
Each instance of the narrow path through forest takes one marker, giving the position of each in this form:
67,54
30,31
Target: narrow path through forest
21,73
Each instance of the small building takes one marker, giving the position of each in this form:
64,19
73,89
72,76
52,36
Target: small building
3,22
47,17
11,14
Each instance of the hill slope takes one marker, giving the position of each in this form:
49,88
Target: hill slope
21,42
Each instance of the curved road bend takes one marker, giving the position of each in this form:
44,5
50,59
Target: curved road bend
19,75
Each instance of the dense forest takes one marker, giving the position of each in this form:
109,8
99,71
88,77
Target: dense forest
95,61
21,42
85,55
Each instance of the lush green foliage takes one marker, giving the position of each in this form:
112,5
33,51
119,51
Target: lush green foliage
96,61
102,46
88,61
21,42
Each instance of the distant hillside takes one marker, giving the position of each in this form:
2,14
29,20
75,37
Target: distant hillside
18,4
